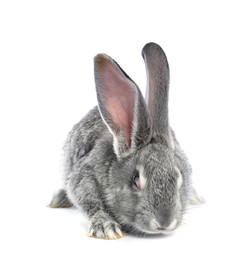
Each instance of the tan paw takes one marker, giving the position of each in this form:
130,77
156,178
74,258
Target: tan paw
104,228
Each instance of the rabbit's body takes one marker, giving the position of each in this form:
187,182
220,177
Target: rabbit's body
88,155
123,165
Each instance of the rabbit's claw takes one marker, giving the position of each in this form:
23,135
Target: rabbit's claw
103,227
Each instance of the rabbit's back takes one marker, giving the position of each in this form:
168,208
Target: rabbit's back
86,136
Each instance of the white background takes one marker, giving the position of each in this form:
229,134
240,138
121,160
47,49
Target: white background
46,85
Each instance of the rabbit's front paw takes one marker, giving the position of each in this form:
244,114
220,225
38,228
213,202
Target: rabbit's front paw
102,226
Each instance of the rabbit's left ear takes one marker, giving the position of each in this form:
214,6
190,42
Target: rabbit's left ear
157,93
121,106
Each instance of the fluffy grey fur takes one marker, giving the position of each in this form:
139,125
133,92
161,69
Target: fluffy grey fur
122,142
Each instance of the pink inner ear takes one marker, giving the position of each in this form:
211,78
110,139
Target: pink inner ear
120,95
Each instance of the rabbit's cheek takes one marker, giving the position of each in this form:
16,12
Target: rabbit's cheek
180,178
178,208
142,177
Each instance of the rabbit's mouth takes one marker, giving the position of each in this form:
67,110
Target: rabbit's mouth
164,229
155,228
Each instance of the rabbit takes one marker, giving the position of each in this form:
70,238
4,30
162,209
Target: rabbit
123,166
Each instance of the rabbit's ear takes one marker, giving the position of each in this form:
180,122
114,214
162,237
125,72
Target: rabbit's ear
121,106
157,92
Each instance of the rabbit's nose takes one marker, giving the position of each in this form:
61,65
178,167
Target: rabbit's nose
171,226
156,225
164,217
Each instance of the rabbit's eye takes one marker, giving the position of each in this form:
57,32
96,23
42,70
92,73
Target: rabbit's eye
136,179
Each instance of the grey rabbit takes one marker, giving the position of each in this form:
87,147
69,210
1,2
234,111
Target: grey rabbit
123,166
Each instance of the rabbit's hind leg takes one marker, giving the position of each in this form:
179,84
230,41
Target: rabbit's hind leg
60,200
195,199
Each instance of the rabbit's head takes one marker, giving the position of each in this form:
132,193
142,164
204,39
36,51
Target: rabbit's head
145,186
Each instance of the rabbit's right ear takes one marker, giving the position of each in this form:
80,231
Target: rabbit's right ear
121,106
